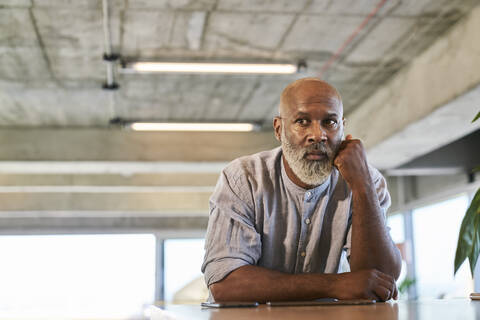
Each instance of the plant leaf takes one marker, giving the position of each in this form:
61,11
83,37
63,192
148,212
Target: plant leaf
473,255
406,283
476,117
468,234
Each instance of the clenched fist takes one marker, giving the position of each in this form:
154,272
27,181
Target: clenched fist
351,162
366,284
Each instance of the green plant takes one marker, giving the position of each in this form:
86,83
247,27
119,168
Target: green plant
406,283
469,238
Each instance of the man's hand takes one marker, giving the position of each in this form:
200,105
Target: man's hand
351,162
366,284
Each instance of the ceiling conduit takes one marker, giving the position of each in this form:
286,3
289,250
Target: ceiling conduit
333,58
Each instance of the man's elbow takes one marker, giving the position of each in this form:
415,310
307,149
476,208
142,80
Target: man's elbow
219,291
392,268
394,272
397,268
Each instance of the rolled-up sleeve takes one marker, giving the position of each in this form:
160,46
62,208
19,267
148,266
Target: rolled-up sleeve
382,191
232,240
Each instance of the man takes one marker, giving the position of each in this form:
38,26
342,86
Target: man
281,220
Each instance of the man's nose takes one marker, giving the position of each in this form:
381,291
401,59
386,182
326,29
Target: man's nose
316,133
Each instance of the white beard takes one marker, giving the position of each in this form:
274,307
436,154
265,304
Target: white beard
310,172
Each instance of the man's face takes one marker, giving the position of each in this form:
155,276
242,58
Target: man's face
310,129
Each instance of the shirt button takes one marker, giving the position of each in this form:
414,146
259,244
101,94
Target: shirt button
302,254
307,221
308,194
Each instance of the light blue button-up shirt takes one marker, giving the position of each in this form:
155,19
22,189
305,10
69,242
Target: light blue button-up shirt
258,216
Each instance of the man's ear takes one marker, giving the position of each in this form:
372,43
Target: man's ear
277,127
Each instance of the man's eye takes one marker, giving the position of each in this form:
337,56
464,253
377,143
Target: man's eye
330,123
302,122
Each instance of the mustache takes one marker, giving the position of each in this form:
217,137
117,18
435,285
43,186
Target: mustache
318,147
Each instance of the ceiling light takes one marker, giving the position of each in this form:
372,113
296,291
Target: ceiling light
199,67
171,126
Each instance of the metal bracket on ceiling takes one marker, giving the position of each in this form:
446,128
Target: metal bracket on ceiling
111,60
302,65
109,57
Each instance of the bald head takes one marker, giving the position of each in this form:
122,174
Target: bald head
308,91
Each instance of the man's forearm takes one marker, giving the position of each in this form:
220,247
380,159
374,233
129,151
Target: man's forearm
371,245
252,283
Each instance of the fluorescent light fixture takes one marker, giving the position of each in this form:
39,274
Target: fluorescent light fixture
170,126
198,67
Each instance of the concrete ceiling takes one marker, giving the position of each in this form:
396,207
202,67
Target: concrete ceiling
408,77
51,64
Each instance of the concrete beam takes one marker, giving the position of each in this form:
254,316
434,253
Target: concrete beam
122,145
426,105
412,192
176,200
167,179
167,227
107,194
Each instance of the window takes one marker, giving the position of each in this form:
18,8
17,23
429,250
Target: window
396,224
81,276
435,234
183,260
